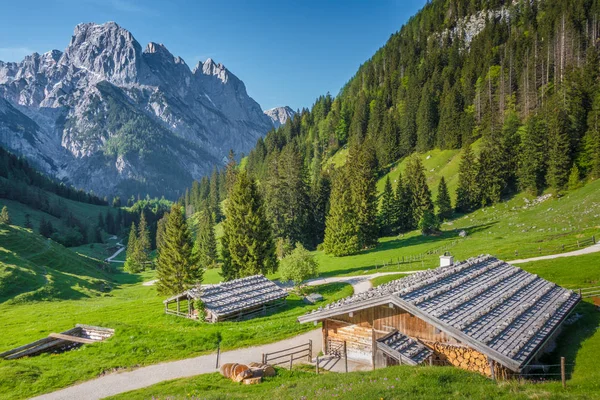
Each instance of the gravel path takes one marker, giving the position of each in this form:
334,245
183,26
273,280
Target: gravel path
588,250
121,248
121,382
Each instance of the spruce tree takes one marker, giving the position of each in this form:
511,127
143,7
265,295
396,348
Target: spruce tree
443,201
404,206
132,263
363,182
143,242
28,223
132,260
321,191
206,244
559,160
532,160
387,210
214,200
574,181
177,268
248,245
416,183
341,228
467,193
4,216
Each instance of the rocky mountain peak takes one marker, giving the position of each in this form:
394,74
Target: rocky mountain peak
280,115
107,51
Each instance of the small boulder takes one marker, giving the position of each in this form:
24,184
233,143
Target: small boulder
313,298
462,233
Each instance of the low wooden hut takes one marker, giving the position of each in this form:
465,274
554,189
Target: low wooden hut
234,300
482,315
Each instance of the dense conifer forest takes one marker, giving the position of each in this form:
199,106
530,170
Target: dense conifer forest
519,77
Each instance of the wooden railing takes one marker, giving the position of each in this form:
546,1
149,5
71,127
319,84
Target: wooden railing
593,291
289,355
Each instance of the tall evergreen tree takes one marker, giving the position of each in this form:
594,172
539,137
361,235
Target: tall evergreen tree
214,200
143,242
177,268
416,182
248,246
387,210
132,263
363,182
321,190
443,201
341,232
467,193
559,160
206,244
160,231
532,160
404,206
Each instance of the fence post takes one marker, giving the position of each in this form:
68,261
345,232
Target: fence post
431,360
577,243
562,372
579,292
516,253
492,372
594,239
345,356
291,361
218,353
317,365
309,350
264,361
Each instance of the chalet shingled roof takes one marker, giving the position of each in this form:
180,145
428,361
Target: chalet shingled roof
231,297
496,308
403,348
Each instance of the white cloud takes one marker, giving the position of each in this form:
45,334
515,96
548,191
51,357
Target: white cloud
14,53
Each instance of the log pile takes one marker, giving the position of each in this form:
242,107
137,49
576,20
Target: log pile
248,374
462,357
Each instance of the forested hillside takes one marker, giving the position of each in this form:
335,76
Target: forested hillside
521,78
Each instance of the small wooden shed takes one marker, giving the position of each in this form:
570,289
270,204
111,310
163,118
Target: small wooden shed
234,300
482,315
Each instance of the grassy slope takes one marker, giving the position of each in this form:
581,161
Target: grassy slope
579,343
35,268
87,213
144,335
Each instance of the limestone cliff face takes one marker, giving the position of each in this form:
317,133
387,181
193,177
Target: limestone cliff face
108,116
280,115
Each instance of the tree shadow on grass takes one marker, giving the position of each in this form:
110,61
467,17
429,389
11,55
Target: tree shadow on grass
570,340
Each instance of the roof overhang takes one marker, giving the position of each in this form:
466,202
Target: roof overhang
452,331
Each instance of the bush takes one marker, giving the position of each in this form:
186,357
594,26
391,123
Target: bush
299,266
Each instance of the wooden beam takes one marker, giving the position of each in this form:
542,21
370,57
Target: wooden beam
71,338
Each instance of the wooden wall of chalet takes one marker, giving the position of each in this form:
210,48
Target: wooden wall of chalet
364,327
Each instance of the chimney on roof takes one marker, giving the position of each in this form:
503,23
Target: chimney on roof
446,260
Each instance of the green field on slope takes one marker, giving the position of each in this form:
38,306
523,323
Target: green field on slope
34,268
579,344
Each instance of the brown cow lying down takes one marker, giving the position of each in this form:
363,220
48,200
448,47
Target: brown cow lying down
240,372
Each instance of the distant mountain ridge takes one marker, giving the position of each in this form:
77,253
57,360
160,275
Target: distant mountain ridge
110,117
280,115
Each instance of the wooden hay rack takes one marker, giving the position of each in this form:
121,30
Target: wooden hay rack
60,342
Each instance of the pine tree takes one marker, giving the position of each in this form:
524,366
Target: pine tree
214,200
160,231
206,244
416,183
46,229
341,231
177,268
143,242
574,181
387,210
404,207
4,216
132,259
247,243
467,193
363,172
532,160
559,160
321,190
443,201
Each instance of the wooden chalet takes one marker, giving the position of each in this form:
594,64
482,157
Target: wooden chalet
482,315
234,300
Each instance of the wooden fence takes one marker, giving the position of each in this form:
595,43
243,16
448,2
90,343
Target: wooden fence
419,257
289,355
561,249
589,292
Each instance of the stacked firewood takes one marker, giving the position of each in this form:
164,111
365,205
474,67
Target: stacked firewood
463,357
248,374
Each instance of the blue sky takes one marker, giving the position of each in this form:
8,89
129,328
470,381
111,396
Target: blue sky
286,52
